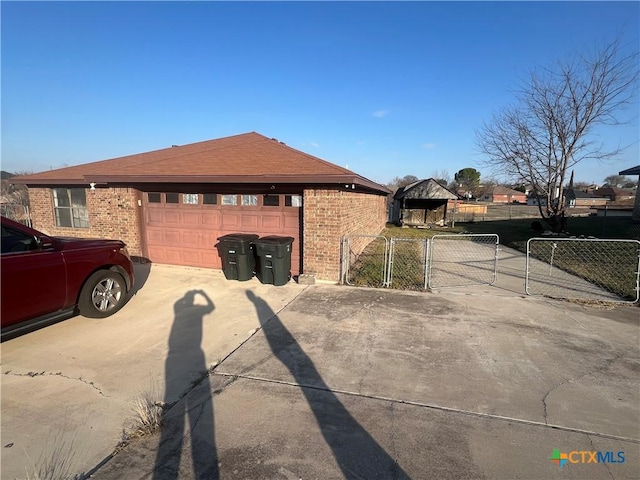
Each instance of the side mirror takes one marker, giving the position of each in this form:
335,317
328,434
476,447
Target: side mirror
43,243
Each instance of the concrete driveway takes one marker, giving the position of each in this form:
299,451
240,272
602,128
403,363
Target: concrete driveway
337,382
72,386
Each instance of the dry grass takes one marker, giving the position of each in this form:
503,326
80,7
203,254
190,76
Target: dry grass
147,413
56,463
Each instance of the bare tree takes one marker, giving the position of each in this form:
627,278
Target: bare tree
618,181
550,127
442,177
398,182
14,198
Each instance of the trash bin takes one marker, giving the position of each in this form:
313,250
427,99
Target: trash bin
236,252
273,257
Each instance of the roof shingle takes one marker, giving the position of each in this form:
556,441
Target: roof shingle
247,157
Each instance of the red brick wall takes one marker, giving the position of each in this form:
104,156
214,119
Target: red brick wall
330,214
113,213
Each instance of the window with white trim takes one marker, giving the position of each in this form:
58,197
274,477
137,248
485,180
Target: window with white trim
70,207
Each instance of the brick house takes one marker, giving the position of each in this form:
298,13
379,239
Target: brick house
500,194
578,198
171,205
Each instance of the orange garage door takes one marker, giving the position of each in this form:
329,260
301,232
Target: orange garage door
183,228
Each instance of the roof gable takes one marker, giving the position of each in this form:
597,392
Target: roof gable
500,190
427,189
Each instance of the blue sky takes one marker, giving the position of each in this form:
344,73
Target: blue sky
387,88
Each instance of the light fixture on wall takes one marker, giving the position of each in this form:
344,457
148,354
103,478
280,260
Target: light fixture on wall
93,185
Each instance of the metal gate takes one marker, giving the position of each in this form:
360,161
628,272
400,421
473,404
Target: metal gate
408,263
364,260
458,260
586,269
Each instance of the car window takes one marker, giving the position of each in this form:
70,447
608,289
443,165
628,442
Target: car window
16,241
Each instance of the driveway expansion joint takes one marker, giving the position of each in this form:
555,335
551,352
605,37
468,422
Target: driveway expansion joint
442,408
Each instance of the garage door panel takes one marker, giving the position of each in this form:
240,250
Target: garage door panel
172,255
230,220
172,237
172,217
191,219
210,218
211,257
250,221
190,239
155,216
154,236
190,257
292,223
271,222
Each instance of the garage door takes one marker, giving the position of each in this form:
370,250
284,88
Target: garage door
183,228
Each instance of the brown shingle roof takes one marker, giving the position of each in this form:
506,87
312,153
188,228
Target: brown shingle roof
248,157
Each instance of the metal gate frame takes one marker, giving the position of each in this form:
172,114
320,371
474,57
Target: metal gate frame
582,240
425,259
346,257
462,236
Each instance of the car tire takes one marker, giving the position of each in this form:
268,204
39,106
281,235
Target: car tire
103,294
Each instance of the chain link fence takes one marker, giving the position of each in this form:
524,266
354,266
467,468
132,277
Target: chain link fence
583,269
364,260
418,264
458,260
568,268
408,263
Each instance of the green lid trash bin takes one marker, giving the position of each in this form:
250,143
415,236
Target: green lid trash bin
236,252
273,257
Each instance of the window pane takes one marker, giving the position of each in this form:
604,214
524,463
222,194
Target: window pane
293,201
210,198
250,200
78,197
171,197
229,200
190,198
271,200
60,197
63,217
79,217
154,197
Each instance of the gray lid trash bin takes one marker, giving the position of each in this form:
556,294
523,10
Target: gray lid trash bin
273,259
236,252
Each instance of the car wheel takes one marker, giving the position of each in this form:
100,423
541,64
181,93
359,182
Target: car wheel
103,294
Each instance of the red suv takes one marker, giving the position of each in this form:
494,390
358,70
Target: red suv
46,278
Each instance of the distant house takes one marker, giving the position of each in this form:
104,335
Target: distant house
421,203
535,200
636,207
578,198
500,194
616,194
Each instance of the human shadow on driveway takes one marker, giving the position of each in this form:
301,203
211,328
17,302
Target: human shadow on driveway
357,453
184,359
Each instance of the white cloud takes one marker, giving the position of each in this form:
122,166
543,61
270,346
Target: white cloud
428,146
380,113
314,144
